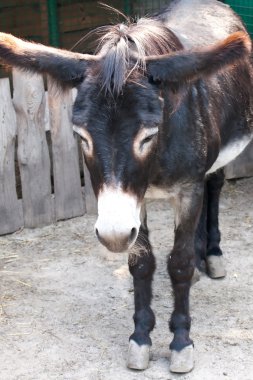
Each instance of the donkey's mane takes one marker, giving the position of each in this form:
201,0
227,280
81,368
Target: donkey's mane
125,46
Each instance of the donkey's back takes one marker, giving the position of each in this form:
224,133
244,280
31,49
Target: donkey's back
200,22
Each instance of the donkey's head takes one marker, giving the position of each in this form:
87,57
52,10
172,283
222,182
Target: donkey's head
119,136
118,109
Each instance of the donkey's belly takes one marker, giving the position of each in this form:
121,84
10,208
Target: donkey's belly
229,152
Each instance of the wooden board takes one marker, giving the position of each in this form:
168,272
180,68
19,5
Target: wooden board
33,156
44,22
27,25
79,16
69,201
11,217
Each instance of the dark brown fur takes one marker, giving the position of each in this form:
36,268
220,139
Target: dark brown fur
207,104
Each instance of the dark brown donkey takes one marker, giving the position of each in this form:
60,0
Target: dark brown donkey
166,102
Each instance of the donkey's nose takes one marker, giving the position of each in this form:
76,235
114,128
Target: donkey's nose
117,241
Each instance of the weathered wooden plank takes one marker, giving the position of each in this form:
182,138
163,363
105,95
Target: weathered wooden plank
11,216
69,201
27,25
242,166
33,156
44,27
85,14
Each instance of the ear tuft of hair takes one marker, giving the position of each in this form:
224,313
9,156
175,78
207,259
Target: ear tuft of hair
188,65
240,38
236,46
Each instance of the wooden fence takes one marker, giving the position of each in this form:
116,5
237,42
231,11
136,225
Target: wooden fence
50,183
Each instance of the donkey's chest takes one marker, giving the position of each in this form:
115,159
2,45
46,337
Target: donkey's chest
165,188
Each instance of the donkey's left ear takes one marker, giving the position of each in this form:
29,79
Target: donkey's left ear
188,65
65,67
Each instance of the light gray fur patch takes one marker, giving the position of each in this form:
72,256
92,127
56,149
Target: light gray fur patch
229,153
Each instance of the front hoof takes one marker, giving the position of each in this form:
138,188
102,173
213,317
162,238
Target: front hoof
138,356
182,361
215,266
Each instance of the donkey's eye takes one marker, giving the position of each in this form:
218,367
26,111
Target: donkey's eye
144,142
147,140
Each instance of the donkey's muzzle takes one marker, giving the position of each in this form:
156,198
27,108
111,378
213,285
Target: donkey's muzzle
118,222
117,241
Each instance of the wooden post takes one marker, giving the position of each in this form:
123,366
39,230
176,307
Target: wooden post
44,22
11,217
69,201
53,22
33,156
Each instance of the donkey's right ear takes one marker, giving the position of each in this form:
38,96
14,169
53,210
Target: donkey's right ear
65,67
187,65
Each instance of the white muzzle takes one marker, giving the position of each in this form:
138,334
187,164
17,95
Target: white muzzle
118,220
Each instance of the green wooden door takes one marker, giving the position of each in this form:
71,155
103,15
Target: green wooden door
245,9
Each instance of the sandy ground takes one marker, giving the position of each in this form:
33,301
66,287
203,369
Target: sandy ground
66,305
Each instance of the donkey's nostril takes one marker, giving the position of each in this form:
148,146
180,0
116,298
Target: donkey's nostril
97,234
133,235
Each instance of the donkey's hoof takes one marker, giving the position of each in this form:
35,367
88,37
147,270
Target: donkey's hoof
195,277
182,361
215,266
138,356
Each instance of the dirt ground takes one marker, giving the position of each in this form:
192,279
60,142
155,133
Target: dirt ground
66,305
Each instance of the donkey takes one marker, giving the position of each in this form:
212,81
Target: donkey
166,103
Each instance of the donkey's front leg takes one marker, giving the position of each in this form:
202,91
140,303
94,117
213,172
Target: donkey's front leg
181,263
141,266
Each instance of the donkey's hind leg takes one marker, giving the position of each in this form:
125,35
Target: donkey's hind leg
214,259
141,266
201,241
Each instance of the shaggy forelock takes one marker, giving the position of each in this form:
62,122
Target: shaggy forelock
123,49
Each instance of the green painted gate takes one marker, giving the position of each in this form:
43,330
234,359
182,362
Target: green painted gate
245,9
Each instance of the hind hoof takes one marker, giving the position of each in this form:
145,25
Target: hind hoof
182,361
138,356
215,266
